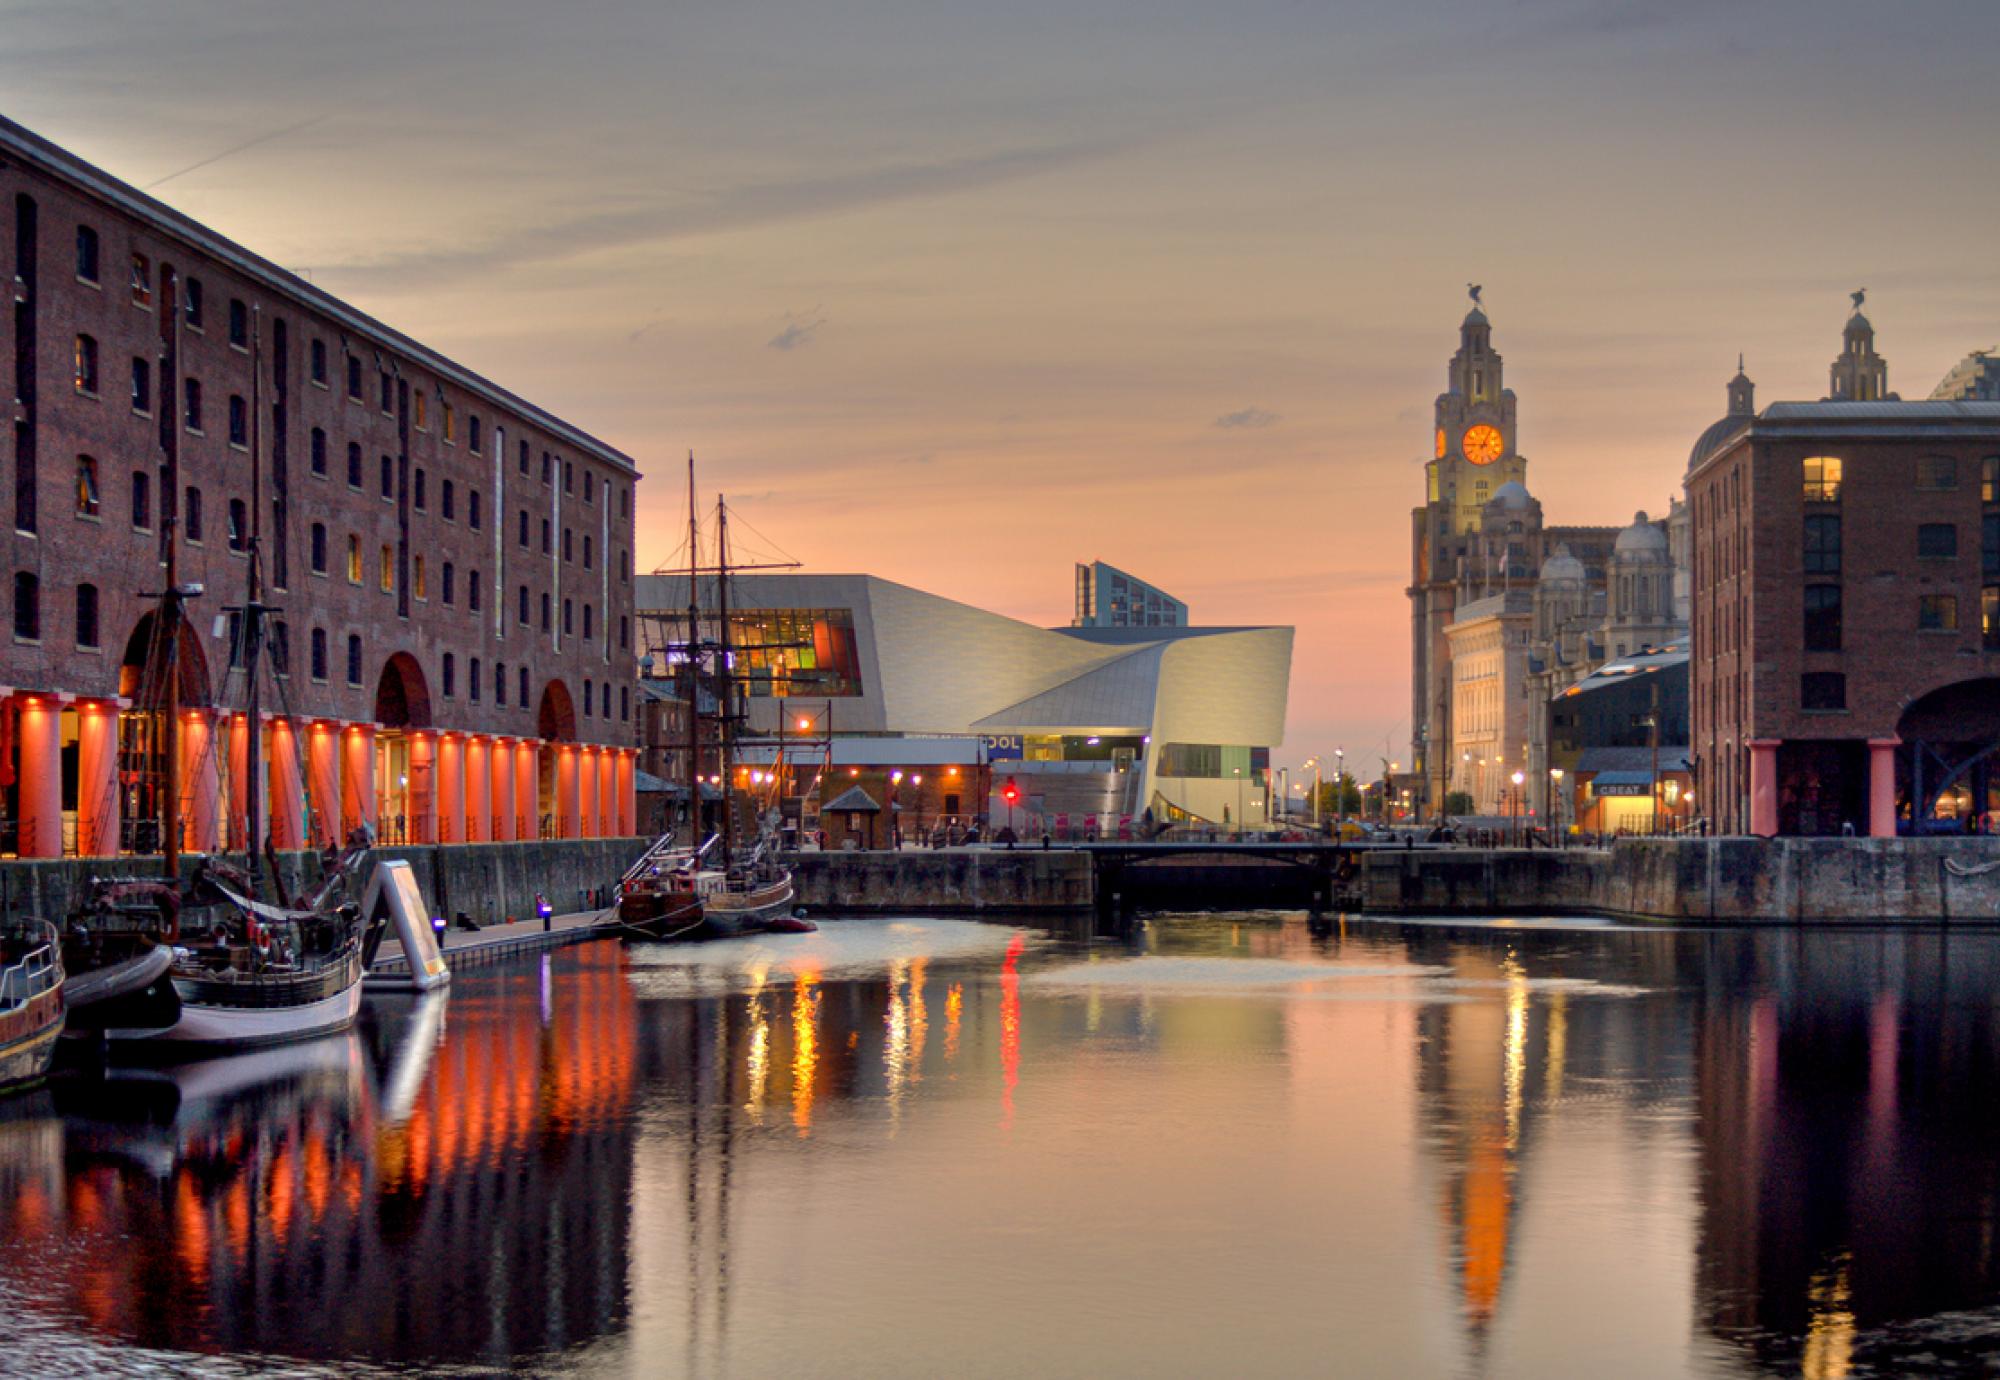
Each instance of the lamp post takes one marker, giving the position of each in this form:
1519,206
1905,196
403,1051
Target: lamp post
1313,762
1517,778
1237,772
917,782
895,811
1560,806
1339,788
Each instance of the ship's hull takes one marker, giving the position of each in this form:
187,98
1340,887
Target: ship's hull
247,1011
652,916
731,913
28,1039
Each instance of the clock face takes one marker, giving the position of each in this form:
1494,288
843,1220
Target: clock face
1441,444
1483,445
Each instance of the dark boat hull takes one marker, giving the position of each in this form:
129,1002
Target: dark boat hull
28,1039
654,916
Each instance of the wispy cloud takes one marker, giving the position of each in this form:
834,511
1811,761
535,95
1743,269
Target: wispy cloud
1246,417
798,332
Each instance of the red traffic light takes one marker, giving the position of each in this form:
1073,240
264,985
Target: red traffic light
1010,792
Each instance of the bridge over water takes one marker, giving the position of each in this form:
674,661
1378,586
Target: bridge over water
1316,874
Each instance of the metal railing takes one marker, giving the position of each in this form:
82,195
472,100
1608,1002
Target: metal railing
35,974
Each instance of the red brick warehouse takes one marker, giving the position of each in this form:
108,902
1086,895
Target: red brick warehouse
452,565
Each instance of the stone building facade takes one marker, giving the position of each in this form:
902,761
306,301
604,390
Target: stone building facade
450,566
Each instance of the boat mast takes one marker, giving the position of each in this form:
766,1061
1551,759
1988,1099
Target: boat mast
725,696
693,655
167,622
253,612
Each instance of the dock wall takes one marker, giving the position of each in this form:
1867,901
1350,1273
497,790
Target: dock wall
489,881
946,882
1720,880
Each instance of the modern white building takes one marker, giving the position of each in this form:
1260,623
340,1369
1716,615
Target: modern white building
1179,721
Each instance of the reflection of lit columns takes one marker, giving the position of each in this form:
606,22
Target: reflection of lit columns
586,793
451,788
357,779
1882,787
323,782
527,789
628,794
40,777
478,802
239,781
97,779
201,784
1764,786
567,821
420,796
500,772
287,805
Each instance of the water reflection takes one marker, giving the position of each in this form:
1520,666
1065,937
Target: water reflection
1231,1146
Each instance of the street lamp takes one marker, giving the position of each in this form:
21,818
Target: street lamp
895,811
1237,772
1561,805
917,782
1313,762
1340,787
1517,778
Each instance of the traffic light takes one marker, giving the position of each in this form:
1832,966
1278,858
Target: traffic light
1010,793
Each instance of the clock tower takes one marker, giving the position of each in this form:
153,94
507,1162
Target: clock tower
1473,448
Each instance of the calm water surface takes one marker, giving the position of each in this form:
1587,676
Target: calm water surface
929,1147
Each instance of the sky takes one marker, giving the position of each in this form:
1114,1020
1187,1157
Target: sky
959,294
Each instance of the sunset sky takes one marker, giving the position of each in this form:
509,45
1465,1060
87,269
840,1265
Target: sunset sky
959,294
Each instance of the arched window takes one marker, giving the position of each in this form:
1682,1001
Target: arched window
191,403
86,364
472,591
319,653
607,699
27,606
417,582
472,681
588,622
524,606
586,699
86,615
353,659
523,701
448,501
388,570
450,590
353,464
142,499
239,525
472,509
500,682
319,548
450,675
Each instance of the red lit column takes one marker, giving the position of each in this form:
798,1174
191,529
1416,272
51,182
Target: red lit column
323,782
527,789
1764,786
478,799
357,778
1882,787
500,771
287,800
239,781
628,794
568,820
607,793
421,794
97,779
40,776
201,784
586,793
451,788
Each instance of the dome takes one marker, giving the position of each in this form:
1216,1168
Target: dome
1641,539
1475,317
1513,496
1712,440
1562,568
1858,324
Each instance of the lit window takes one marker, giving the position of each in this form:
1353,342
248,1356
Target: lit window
353,559
86,364
86,486
142,281
1937,613
417,582
423,410
388,575
1822,479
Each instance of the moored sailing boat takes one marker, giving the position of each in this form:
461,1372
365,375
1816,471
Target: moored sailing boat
31,1000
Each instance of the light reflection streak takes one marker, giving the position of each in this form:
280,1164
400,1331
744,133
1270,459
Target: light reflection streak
805,1049
896,1047
1829,1348
1010,1027
1558,1037
954,1012
1515,1046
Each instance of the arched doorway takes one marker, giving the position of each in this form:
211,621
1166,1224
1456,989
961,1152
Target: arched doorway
555,723
142,761
405,791
1945,773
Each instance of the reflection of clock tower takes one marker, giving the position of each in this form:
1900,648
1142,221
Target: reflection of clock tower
1475,429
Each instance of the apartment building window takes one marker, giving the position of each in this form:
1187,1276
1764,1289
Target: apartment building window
546,548
142,385
353,559
472,682
1823,690
624,633
86,616
625,716
568,547
472,591
448,501
86,365
354,378
239,323
1989,545
589,487
319,654
86,486
388,383
450,582
1937,472
353,659
191,513
142,500
318,548
1989,479
1937,613
1937,541
281,647
624,503
1822,544
588,696
450,675
421,403
191,404
239,526
587,565
191,303
419,488
547,607
1822,621
86,253
387,570
1989,617
524,606
569,617
388,468
239,421
548,468
523,701
418,584
319,452
1822,475
354,464
450,425
318,357
589,620
472,436
472,509
524,454
500,683
27,606
524,528
142,281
